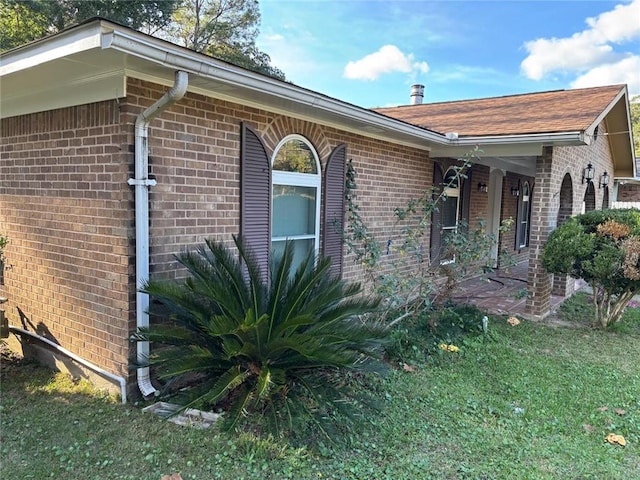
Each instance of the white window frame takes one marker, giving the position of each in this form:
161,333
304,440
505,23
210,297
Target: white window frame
295,179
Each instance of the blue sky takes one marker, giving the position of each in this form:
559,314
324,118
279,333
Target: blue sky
369,52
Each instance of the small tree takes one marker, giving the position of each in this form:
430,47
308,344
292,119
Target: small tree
602,248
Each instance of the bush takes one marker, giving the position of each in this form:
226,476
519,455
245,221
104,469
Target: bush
269,349
603,248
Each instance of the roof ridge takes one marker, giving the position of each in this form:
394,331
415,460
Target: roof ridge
513,95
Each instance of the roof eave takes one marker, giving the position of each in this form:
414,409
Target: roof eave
525,145
177,58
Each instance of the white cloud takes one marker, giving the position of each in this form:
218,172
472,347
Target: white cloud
388,59
592,48
562,54
619,25
624,71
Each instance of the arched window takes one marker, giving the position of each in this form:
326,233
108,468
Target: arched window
524,212
295,197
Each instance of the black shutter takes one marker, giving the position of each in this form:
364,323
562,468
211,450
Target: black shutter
255,196
333,222
436,219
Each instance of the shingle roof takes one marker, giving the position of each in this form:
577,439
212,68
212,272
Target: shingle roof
545,112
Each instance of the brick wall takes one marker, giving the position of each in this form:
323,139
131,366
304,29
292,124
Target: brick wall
555,165
194,156
69,213
629,192
66,208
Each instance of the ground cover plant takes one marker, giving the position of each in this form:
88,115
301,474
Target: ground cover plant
530,401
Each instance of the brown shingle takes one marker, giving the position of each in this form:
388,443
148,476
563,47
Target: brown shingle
546,112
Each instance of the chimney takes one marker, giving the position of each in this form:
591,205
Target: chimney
417,94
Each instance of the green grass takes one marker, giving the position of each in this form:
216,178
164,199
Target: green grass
529,403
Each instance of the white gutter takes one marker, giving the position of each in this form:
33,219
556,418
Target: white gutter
544,138
142,184
82,361
178,58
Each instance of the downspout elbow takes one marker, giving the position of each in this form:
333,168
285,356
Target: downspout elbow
177,91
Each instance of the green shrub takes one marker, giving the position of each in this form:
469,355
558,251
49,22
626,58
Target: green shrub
267,349
603,248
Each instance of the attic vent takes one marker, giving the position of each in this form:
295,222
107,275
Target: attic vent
417,94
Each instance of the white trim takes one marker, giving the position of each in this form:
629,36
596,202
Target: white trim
311,180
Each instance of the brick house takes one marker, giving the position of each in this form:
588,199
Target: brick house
120,150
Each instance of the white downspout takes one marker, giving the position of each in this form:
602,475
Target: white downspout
142,184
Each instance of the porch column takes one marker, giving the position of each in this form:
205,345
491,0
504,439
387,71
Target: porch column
543,220
563,285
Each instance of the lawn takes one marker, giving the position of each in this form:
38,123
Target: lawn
533,401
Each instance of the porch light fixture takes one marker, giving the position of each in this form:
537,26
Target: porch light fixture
604,180
482,187
515,191
587,174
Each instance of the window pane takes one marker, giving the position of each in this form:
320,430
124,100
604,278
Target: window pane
295,156
301,249
446,255
449,211
451,179
294,211
523,233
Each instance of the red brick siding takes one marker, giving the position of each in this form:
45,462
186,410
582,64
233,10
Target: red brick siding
551,169
65,206
629,192
194,156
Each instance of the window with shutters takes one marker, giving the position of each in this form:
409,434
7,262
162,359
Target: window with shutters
295,197
450,210
280,198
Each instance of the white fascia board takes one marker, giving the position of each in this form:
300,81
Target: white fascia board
525,145
562,138
591,129
45,50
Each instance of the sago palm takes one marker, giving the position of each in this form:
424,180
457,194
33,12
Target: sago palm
257,346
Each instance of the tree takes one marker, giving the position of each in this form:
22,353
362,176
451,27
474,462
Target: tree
225,29
22,21
270,348
603,248
635,123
